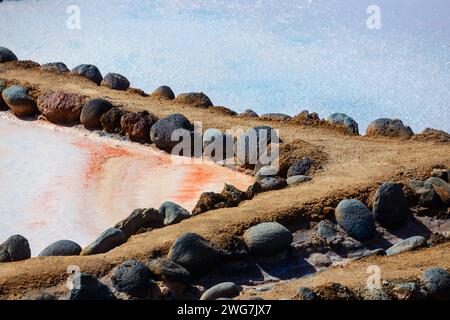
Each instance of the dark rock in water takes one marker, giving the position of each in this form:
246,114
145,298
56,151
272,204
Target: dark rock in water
115,81
7,55
140,218
275,116
132,278
92,111
442,189
425,193
111,120
195,99
438,173
232,195
267,238
437,283
293,180
55,66
300,167
355,218
107,241
405,245
195,254
390,208
272,183
136,125
61,248
88,71
306,294
248,113
167,270
208,201
266,171
389,128
161,132
15,248
88,287
61,107
253,190
222,290
164,92
335,291
173,213
18,100
344,120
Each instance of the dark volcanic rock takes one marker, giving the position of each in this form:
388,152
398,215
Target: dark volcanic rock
390,208
194,253
140,218
355,218
409,244
167,270
425,193
161,132
7,55
222,290
253,190
248,113
300,167
92,111
195,99
107,241
164,92
442,189
18,100
293,180
132,278
173,213
209,201
272,183
15,248
136,125
3,105
111,121
61,107
88,287
267,238
55,66
306,294
389,128
437,283
88,71
232,195
341,119
61,248
115,81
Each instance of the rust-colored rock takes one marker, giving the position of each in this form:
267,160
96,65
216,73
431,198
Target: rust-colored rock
61,107
136,125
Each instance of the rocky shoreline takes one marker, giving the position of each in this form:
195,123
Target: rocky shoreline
349,226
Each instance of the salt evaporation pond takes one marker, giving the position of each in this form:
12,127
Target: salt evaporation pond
64,183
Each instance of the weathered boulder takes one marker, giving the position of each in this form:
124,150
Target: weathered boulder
87,287
390,208
266,171
442,189
209,201
328,231
132,278
389,128
115,81
110,120
55,66
88,71
92,111
272,183
300,167
232,195
164,92
173,213
267,238
15,248
355,219
107,241
408,244
61,248
253,190
195,99
136,125
140,218
341,119
425,193
293,180
437,283
169,271
18,100
222,290
7,55
61,107
248,113
194,253
161,132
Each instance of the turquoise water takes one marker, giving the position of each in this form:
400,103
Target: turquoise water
271,56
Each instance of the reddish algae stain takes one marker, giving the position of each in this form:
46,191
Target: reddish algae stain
193,183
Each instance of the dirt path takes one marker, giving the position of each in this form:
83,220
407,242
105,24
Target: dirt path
355,164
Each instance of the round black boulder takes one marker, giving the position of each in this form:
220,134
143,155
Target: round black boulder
88,71
88,287
15,248
355,218
132,278
164,92
7,55
92,112
390,208
115,81
61,248
161,131
300,167
55,66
